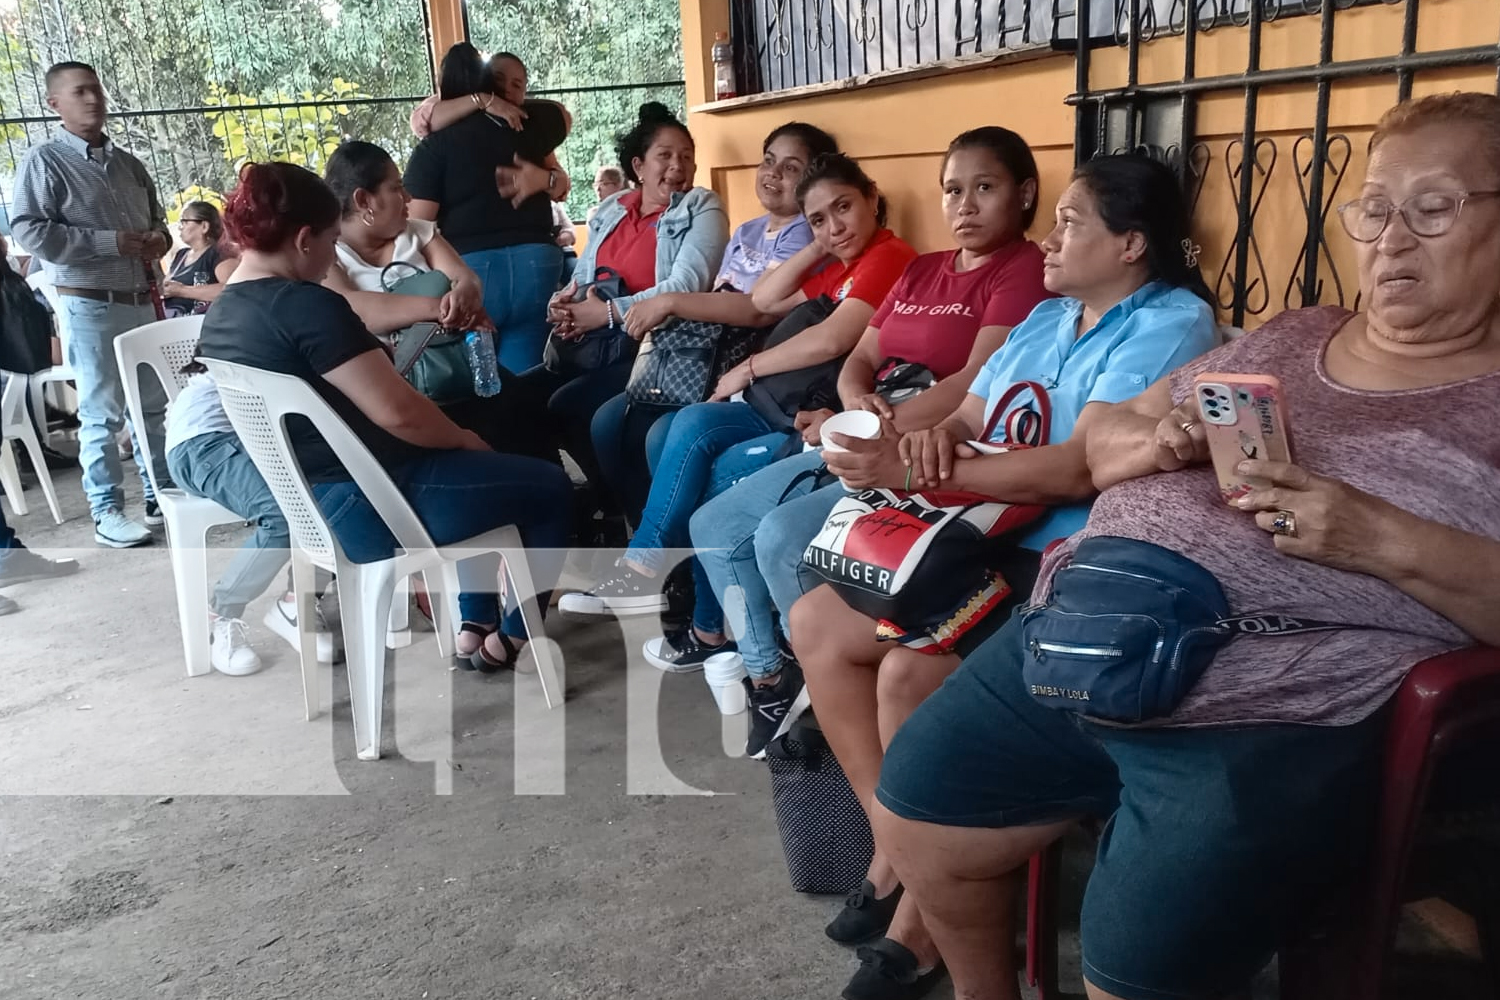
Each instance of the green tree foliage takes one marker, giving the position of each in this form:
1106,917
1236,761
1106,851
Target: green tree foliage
289,79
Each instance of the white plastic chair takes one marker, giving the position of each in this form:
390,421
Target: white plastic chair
16,425
259,403
165,347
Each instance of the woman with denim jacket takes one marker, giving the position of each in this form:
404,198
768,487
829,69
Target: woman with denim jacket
662,236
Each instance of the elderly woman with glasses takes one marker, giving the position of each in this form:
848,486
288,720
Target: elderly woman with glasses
1232,806
198,270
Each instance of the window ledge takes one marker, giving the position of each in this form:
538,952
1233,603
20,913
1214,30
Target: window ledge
960,64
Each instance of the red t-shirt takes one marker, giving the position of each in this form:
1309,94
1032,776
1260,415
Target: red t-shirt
934,313
869,277
630,247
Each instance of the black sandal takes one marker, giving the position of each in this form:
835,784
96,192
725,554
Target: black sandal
466,662
481,661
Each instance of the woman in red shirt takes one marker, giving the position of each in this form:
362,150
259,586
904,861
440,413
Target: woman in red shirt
853,261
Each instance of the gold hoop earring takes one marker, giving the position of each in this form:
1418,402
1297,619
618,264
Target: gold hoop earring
368,218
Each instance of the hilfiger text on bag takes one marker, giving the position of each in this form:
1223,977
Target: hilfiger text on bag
852,570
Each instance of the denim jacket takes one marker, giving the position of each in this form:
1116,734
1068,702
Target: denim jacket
690,239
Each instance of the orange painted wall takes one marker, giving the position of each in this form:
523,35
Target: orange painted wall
898,130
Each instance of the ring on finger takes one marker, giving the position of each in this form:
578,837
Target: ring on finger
1284,523
1188,425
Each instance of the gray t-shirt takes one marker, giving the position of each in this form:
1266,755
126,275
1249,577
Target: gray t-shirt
1434,452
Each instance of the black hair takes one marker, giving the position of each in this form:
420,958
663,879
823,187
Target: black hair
494,63
1134,193
464,72
841,168
58,69
355,166
818,142
1011,151
652,118
209,213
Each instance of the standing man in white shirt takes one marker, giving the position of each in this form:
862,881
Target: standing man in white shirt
90,212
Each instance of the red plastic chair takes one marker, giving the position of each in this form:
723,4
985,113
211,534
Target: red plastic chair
1442,703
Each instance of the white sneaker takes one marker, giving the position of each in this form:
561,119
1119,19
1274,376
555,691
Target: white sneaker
114,529
282,619
230,648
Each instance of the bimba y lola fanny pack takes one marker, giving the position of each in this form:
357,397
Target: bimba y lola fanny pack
1128,629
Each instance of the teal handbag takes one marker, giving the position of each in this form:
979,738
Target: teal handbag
442,370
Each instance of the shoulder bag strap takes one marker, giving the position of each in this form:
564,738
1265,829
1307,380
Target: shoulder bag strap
388,282
1014,428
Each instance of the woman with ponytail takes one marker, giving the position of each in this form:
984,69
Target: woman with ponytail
273,314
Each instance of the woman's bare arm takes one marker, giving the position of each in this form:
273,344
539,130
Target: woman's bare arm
382,312
372,384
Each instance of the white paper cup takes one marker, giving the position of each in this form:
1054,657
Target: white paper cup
850,423
725,674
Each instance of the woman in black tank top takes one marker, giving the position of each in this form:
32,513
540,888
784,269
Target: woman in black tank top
198,270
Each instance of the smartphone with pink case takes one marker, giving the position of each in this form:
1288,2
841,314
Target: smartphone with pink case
1243,417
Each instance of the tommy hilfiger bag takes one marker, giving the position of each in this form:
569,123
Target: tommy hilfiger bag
920,563
1128,629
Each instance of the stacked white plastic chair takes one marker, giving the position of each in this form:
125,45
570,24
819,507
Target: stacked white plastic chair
166,346
16,425
259,403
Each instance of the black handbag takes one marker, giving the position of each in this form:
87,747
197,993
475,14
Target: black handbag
25,326
680,363
597,348
825,833
780,397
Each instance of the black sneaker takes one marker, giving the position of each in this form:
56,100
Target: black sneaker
21,565
864,916
153,516
888,971
682,652
625,593
769,705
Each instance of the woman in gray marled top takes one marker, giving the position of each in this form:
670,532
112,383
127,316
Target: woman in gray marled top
1394,414
1234,813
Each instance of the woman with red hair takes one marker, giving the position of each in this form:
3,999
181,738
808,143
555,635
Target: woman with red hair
273,314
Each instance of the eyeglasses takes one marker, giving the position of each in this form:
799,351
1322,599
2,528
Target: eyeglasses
1431,213
193,220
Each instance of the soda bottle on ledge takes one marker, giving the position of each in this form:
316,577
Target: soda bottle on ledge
723,58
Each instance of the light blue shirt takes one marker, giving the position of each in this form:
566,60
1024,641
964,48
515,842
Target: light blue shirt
1140,339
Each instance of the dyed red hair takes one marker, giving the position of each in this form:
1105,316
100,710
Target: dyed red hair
273,201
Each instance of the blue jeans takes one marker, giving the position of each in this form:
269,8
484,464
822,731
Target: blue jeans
89,329
708,448
749,538
518,281
216,466
624,435
457,495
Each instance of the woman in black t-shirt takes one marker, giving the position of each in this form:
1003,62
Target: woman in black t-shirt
199,270
274,315
452,180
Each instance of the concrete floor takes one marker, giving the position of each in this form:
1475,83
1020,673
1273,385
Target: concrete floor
175,837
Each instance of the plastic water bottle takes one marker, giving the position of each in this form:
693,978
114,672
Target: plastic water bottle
479,351
723,59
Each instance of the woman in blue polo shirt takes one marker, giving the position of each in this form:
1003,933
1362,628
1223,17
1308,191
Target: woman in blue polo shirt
1133,308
